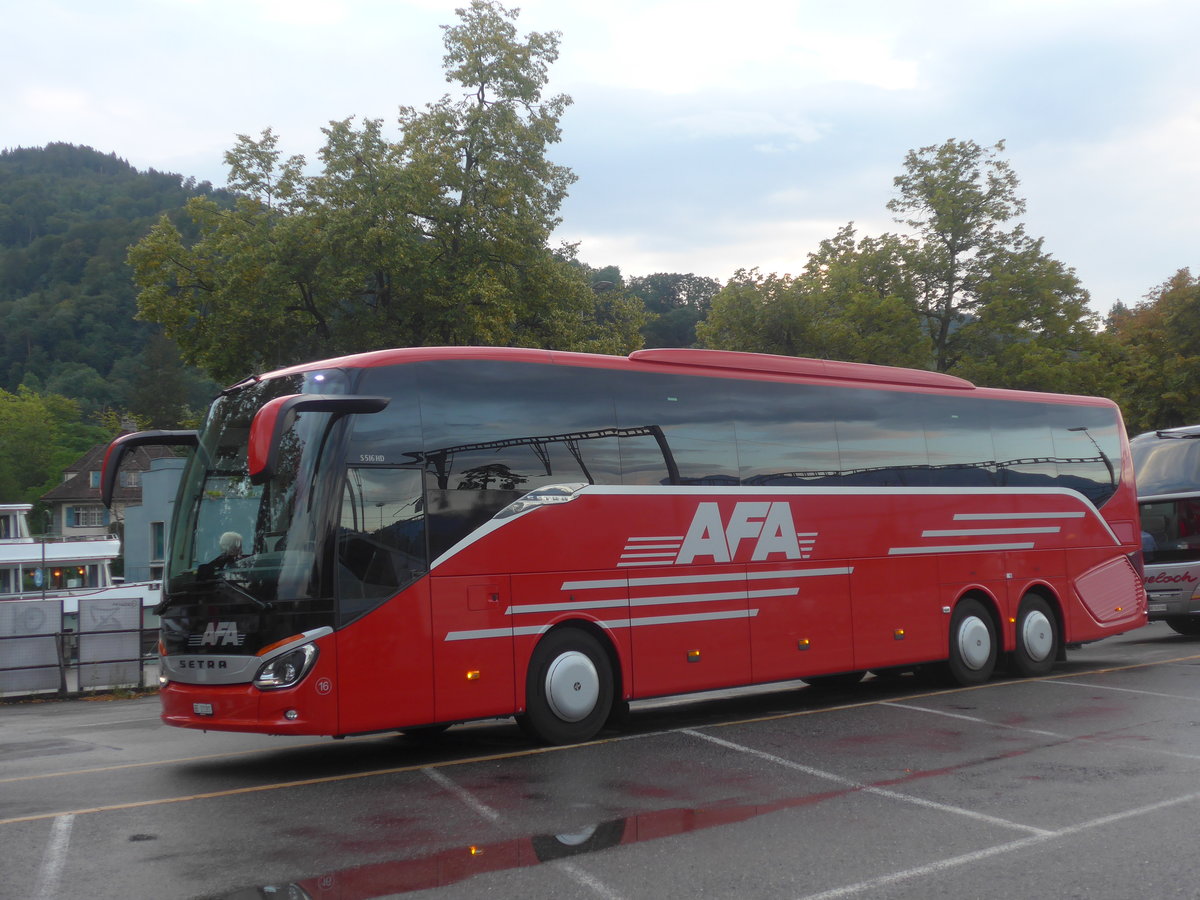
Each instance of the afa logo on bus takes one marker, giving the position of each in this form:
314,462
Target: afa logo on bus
767,526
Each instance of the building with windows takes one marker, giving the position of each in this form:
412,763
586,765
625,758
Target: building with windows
147,523
75,507
34,567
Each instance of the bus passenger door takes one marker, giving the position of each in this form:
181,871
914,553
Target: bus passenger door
384,655
472,647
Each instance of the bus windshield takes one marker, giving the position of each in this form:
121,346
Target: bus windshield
1167,462
255,546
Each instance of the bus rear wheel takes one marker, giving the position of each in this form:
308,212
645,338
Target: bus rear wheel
569,688
972,643
1037,637
1188,625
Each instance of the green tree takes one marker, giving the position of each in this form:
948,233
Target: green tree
961,293
954,196
40,435
1032,329
678,301
814,315
67,216
1159,364
439,237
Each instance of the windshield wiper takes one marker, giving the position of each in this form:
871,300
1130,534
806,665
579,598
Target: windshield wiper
180,596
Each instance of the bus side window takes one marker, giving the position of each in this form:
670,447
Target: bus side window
381,537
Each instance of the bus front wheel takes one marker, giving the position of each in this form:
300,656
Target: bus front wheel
569,689
1185,625
972,643
1037,637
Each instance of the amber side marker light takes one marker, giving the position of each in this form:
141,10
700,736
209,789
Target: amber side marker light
473,675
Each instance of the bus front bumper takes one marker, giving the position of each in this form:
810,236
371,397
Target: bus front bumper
246,708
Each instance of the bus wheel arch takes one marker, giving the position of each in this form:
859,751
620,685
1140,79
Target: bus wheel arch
571,687
974,640
1038,638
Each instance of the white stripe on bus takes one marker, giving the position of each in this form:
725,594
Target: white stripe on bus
988,517
702,579
610,624
957,548
991,532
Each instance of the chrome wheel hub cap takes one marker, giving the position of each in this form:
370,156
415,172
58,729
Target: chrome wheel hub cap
974,642
572,686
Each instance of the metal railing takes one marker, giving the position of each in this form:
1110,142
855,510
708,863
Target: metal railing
107,644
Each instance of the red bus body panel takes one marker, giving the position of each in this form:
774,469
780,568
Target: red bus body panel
696,587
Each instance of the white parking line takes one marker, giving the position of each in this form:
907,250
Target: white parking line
952,862
588,881
54,858
576,874
1056,735
463,794
865,788
1107,687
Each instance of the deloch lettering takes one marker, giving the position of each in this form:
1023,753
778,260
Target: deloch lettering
1164,578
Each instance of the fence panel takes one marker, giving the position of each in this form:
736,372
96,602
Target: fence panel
30,647
110,640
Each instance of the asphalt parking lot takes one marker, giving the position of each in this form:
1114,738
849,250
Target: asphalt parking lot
1082,784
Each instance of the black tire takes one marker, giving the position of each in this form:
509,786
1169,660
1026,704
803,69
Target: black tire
1185,625
569,689
834,682
972,643
1038,639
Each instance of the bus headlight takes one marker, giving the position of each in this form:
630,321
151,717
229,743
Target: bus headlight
287,669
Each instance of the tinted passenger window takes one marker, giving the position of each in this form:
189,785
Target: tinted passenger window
494,431
692,421
786,435
1025,455
958,435
881,439
1088,449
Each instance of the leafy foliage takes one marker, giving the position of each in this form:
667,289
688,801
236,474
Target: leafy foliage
1159,366
677,302
67,215
439,237
960,293
49,425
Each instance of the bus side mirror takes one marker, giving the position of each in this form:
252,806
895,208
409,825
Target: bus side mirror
125,443
276,417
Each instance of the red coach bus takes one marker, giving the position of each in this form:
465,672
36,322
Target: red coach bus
412,538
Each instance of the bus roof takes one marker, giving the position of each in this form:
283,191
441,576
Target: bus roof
716,363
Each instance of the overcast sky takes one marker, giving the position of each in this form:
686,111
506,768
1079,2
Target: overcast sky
706,136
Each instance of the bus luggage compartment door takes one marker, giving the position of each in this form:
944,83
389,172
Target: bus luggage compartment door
472,647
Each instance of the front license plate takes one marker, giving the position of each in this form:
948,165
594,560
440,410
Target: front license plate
202,709
1156,607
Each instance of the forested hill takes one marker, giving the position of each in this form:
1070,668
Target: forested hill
68,215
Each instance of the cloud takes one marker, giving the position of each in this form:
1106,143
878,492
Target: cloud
715,249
